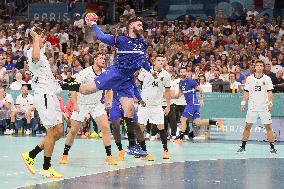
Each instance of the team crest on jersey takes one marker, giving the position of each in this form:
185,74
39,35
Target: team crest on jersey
263,83
162,78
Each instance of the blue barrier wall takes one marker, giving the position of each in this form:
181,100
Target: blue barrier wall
227,107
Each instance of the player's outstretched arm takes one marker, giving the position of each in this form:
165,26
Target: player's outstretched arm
35,45
88,88
105,38
91,19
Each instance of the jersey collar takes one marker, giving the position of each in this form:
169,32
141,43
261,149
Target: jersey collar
259,77
95,72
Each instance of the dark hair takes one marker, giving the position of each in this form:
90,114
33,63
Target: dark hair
232,73
160,55
259,61
96,55
38,30
182,68
136,19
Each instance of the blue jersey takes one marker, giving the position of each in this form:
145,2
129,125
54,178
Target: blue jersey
188,89
131,52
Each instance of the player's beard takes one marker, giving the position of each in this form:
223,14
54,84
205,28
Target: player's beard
138,33
183,77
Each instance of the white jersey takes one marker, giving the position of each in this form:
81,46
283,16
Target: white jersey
43,81
8,99
257,88
181,100
153,89
4,113
25,103
85,76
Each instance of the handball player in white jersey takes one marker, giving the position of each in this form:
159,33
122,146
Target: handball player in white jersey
258,91
151,109
46,103
90,104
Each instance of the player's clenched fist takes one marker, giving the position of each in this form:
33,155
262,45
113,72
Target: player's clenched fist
91,18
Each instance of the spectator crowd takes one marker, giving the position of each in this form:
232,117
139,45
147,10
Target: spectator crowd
217,52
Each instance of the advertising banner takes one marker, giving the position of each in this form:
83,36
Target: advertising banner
56,11
234,129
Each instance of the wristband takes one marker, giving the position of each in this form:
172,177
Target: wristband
270,102
243,103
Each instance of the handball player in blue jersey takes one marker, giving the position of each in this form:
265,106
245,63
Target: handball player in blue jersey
115,114
130,57
188,88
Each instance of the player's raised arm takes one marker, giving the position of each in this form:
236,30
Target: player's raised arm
91,19
34,38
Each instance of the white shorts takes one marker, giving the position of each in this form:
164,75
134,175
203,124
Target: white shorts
265,117
48,108
95,110
155,115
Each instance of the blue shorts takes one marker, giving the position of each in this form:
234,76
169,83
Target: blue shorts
191,111
115,79
116,112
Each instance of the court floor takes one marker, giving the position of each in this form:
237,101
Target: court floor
213,164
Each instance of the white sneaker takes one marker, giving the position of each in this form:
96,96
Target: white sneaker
28,132
12,131
186,137
7,132
201,137
152,138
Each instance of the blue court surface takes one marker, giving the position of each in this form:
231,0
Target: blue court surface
192,165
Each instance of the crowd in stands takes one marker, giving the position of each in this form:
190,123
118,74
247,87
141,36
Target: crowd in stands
218,52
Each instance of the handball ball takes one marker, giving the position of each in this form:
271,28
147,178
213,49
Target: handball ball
91,18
